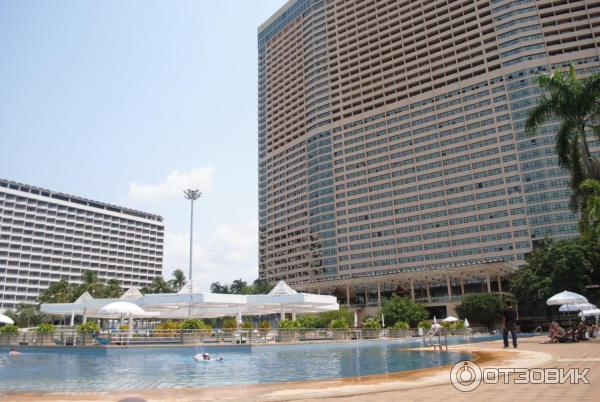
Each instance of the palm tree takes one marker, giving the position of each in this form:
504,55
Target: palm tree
575,103
589,224
261,286
178,280
158,285
57,292
237,286
216,287
91,284
26,315
113,289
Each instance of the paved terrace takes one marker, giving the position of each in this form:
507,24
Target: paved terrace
420,385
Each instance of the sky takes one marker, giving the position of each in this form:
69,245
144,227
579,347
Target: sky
131,102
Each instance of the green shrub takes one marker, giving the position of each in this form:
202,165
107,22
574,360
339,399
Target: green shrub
247,325
45,328
229,323
9,329
400,325
339,323
308,321
165,325
288,324
371,323
90,326
194,323
264,324
453,325
325,319
167,328
425,324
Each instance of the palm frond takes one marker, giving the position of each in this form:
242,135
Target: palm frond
563,143
544,110
590,187
576,165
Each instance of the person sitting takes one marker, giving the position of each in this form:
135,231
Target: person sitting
557,333
581,331
592,330
14,352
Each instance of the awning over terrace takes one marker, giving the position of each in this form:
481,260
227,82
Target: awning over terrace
282,299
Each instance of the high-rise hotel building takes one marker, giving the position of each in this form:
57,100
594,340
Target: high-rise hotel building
46,236
391,133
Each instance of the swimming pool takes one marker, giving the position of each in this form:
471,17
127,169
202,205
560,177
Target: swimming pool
86,370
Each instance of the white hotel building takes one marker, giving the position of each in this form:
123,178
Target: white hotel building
46,236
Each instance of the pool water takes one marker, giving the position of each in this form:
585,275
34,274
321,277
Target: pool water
84,370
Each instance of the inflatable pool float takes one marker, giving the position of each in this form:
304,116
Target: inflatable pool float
199,358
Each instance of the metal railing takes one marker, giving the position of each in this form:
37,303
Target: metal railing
69,336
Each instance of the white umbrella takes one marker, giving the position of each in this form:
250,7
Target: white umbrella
450,319
566,298
122,308
466,323
590,313
4,319
355,319
434,320
576,307
382,321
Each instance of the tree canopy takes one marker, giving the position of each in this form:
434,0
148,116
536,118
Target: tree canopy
238,286
482,308
552,267
398,308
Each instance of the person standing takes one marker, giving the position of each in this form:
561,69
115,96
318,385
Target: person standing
509,319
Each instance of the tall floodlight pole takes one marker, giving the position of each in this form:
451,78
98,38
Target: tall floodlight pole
191,195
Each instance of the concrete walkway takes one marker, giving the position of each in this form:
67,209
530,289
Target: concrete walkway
418,385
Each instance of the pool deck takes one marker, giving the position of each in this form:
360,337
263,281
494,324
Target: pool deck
417,385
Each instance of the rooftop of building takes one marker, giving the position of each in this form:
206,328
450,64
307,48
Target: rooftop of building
26,188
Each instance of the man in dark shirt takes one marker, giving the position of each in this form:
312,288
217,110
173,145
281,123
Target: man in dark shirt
509,318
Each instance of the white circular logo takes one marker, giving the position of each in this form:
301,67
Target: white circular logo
465,375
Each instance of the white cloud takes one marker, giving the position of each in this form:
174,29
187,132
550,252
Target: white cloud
173,185
230,252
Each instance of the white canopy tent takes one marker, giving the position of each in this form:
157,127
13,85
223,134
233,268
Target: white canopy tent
123,309
450,319
4,319
281,300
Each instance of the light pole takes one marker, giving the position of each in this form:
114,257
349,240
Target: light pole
191,195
